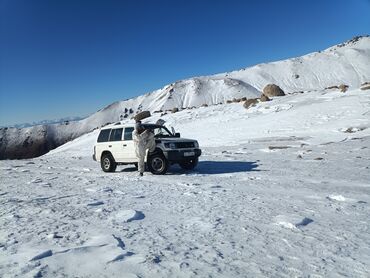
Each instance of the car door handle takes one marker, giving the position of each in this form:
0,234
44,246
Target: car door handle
124,145
110,146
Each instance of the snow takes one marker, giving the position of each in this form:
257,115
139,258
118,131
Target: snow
281,190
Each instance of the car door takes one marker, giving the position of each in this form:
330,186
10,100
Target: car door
116,145
129,147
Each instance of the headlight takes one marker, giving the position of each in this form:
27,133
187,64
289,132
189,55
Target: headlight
170,145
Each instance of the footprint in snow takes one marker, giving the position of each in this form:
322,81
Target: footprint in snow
138,196
305,221
121,257
42,255
287,225
94,204
338,198
106,189
45,184
37,180
295,227
126,216
7,169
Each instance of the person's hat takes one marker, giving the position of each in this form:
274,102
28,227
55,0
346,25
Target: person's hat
138,126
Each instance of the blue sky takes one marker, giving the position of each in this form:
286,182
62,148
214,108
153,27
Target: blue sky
71,58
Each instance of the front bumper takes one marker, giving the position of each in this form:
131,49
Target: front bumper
177,155
94,158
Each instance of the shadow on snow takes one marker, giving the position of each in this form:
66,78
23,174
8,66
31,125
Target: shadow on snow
209,167
220,167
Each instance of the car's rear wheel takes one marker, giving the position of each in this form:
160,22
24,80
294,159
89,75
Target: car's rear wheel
107,163
189,164
158,164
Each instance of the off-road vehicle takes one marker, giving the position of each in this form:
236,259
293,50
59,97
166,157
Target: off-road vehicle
115,146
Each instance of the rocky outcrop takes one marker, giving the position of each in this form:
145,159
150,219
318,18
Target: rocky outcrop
365,86
264,98
272,90
250,102
343,88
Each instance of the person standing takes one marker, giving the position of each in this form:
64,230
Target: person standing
143,140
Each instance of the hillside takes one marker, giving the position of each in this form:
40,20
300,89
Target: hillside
346,63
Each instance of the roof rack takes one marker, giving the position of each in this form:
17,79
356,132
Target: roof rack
117,123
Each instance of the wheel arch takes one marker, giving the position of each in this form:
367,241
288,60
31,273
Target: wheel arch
104,153
156,151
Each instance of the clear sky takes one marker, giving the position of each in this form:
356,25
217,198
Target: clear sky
63,58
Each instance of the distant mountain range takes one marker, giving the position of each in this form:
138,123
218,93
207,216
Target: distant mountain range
46,122
345,63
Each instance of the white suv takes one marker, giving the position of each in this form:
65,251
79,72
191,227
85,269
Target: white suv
115,146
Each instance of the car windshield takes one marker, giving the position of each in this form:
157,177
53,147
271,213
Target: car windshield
159,131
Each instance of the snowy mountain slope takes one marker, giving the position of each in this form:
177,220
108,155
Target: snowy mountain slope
346,63
317,117
281,190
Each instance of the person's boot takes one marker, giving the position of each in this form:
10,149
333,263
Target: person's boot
141,174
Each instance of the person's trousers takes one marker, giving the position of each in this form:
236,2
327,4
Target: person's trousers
141,164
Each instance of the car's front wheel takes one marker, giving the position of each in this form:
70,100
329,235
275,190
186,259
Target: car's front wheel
107,163
158,164
189,164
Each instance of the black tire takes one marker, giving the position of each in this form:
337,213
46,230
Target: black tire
189,164
158,164
107,163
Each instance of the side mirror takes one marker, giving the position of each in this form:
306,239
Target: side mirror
177,134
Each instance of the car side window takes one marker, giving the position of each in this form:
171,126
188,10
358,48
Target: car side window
128,133
104,135
116,134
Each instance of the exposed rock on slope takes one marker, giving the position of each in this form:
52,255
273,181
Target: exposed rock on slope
272,90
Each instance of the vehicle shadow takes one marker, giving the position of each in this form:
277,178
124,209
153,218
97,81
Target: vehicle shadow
219,167
127,169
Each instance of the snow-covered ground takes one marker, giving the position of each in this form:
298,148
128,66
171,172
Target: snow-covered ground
281,190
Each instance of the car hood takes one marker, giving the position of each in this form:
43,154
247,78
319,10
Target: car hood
175,140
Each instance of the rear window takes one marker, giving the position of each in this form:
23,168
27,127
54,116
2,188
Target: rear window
104,135
116,134
128,133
